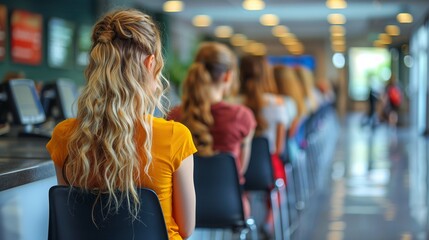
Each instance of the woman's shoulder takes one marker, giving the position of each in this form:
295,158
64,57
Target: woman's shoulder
64,126
171,126
234,108
274,99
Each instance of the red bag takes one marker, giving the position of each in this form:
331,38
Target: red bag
394,95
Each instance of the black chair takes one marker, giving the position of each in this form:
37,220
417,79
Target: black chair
259,177
71,213
219,195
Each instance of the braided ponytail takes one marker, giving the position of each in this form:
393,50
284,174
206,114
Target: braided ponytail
212,60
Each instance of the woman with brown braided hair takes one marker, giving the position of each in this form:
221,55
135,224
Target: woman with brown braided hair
115,143
216,126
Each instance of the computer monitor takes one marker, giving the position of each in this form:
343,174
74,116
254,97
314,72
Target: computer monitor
24,103
59,99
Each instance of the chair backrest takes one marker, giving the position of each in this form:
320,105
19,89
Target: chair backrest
218,192
71,211
259,174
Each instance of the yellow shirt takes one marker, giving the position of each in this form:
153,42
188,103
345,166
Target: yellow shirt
172,143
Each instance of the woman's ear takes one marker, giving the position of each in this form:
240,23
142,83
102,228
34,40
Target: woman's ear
227,77
149,62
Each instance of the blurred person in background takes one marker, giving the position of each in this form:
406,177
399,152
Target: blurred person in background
391,102
288,84
216,125
312,97
325,88
258,91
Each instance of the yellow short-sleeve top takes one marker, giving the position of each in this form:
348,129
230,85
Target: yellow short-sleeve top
172,143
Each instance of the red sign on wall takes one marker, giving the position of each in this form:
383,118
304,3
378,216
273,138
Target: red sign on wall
3,19
26,37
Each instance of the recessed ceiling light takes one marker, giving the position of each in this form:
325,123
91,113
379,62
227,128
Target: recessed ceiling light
336,4
337,29
201,21
173,6
253,5
223,32
280,31
338,42
404,18
392,30
337,37
336,18
339,48
238,40
339,61
379,43
385,37
269,20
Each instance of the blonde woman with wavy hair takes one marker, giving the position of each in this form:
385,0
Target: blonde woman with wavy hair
307,81
288,84
115,143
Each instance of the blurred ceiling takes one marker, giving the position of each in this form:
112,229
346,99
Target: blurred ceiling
307,19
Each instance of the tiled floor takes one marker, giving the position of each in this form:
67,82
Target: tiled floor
377,189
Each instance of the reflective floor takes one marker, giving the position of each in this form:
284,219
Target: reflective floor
377,188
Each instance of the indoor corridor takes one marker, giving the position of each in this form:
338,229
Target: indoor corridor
376,188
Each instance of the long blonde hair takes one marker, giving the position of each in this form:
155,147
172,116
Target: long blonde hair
120,97
307,81
212,60
288,84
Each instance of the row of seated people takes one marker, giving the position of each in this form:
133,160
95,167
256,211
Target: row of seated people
115,143
263,107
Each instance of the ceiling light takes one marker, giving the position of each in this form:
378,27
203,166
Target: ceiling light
336,4
392,30
378,43
280,31
238,40
173,6
385,37
201,21
338,60
259,49
223,32
337,37
336,18
247,48
296,51
253,5
337,29
338,43
404,18
295,46
269,20
289,41
339,48
338,34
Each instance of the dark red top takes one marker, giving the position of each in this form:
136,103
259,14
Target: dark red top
232,123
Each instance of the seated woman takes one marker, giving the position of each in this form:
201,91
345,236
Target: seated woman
288,85
257,91
115,143
311,94
216,126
